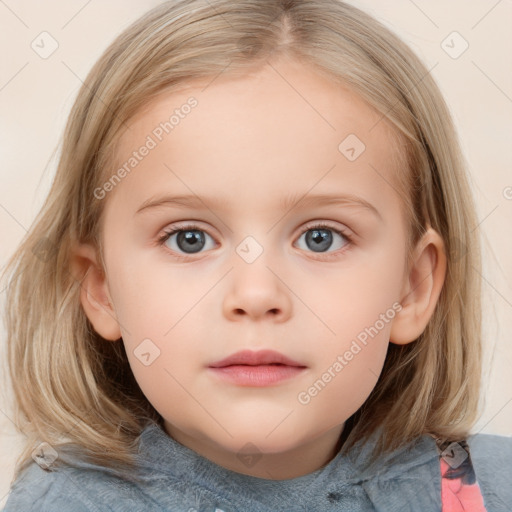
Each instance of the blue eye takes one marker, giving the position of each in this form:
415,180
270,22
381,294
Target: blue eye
189,239
320,238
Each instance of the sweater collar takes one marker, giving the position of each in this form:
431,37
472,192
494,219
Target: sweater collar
347,476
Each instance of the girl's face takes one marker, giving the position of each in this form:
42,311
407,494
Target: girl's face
292,240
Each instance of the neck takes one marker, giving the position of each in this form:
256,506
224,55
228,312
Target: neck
310,456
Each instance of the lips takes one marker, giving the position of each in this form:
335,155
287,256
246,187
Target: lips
256,369
262,357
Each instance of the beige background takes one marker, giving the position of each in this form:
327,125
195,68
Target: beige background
36,95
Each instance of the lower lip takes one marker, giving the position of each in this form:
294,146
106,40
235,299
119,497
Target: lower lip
257,376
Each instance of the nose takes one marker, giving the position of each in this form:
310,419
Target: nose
256,291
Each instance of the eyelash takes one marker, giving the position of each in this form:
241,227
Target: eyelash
319,225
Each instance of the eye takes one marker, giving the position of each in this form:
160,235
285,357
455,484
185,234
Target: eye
189,239
321,237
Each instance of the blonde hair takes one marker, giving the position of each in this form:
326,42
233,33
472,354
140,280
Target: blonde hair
74,388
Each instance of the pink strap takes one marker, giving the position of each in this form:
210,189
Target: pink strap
460,491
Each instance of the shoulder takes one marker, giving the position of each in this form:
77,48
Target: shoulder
46,491
91,488
482,443
491,456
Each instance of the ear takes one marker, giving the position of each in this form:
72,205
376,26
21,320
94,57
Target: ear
421,289
94,293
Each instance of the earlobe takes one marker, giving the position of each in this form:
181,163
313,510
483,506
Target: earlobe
94,293
421,290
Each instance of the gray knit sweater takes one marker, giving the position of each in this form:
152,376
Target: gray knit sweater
175,478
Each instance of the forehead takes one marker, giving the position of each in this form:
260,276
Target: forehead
256,133
268,92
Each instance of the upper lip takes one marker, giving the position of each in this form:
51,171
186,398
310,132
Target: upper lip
251,358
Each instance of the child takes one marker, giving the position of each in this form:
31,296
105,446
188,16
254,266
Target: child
318,346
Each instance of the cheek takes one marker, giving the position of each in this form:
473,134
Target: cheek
340,386
350,299
152,299
160,310
359,307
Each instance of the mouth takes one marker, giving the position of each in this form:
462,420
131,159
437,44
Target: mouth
256,369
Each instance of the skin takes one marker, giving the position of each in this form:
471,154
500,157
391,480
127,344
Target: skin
250,143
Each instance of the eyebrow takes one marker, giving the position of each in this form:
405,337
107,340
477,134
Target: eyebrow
288,203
